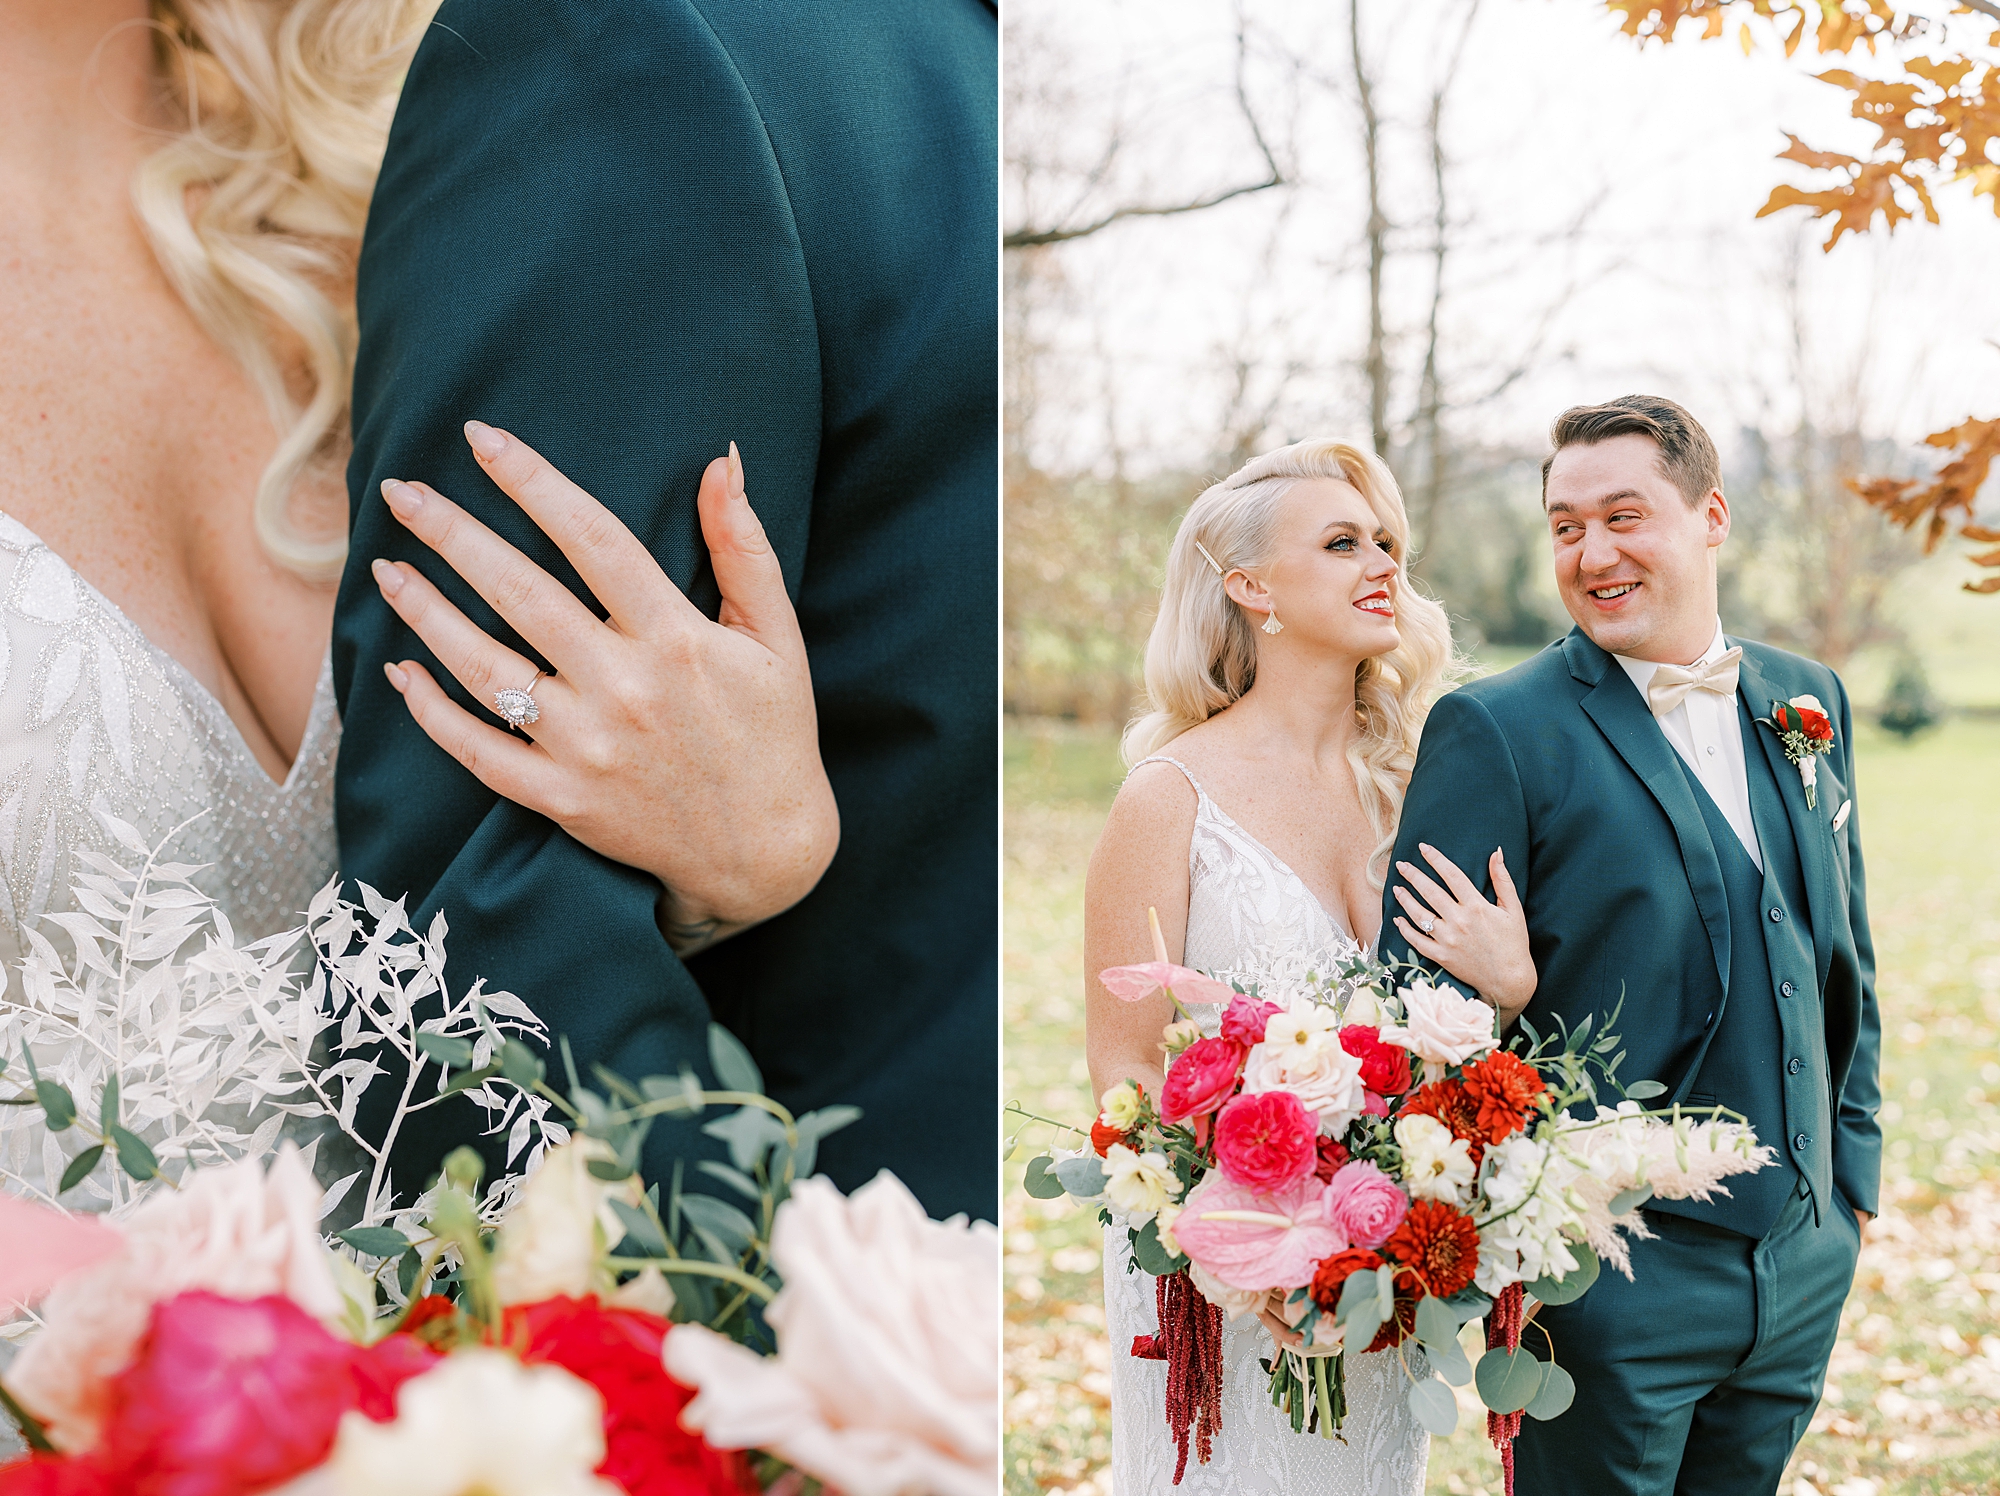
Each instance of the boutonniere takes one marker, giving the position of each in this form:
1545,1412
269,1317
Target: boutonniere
1806,732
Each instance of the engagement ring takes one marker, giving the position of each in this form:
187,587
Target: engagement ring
1426,925
517,705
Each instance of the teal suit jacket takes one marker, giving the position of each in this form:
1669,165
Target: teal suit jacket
1559,763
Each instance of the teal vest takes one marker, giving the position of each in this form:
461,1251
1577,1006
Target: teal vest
1759,1056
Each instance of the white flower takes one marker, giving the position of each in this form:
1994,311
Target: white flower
1178,1036
478,1424
1234,1302
1295,1038
1122,1106
1138,1183
1166,1217
233,1230
1436,1165
555,1234
1364,1007
887,1371
1326,1078
1530,1211
1442,1026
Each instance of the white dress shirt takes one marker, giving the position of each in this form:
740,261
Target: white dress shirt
1708,735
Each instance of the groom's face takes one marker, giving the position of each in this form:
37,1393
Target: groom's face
1635,562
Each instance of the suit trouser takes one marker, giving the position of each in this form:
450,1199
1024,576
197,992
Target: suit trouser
1698,1377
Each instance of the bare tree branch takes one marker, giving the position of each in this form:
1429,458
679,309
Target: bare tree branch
1275,177
1984,7
1376,362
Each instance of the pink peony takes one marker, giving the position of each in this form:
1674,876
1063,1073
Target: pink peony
1257,1239
1201,1079
1365,1204
1266,1141
228,1396
1246,1018
233,1230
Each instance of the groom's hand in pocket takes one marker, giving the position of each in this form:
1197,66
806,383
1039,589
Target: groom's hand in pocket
664,741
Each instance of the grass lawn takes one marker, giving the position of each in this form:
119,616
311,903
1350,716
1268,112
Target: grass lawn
1913,1397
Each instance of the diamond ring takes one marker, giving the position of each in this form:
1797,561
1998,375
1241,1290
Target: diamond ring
1426,925
517,704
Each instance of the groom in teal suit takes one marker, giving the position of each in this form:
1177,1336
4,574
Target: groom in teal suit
1670,851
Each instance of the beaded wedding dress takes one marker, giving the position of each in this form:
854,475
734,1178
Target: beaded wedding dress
1248,916
93,714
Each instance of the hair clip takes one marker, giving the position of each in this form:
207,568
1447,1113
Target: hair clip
1208,558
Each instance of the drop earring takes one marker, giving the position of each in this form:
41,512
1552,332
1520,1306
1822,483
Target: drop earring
1270,625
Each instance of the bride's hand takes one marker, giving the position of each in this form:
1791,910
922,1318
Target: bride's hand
1283,1336
1484,945
687,748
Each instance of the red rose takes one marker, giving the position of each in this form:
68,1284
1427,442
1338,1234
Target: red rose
1245,1019
1385,1069
617,1351
1816,725
1332,1154
226,1396
1333,1272
1201,1079
1505,1089
1103,1135
1439,1245
384,1366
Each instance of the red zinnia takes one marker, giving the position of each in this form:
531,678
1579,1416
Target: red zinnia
1448,1101
1439,1245
1103,1136
1385,1068
1333,1272
617,1351
1505,1089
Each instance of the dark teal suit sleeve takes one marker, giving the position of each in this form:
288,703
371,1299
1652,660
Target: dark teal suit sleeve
1465,798
580,234
1857,1138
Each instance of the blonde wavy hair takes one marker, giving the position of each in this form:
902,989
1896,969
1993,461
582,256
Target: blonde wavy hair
1202,655
283,108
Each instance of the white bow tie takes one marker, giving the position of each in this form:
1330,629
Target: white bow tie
1670,684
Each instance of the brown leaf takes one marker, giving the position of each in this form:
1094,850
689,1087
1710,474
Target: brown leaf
1799,151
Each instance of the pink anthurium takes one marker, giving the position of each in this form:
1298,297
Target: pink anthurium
1251,1239
1141,981
39,1246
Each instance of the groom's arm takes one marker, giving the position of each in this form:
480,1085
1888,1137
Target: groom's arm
1465,799
580,234
1857,1137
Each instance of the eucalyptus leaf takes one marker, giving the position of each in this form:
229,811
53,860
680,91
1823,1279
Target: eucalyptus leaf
1436,1324
407,1267
1571,1286
827,1121
1435,1407
1039,1182
1557,1393
80,1167
1644,1090
134,1157
732,1063
467,1080
1083,1176
749,1131
520,1064
640,1227
1151,1253
742,1183
107,1107
1632,1199
1508,1381
376,1241
611,1170
719,1219
446,1050
1469,1304
57,1104
1448,1360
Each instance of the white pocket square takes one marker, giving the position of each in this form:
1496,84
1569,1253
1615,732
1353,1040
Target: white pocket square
1840,815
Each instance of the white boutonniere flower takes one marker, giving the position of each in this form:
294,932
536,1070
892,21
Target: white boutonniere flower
1806,731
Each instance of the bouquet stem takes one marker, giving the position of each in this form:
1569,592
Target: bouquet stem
1311,1391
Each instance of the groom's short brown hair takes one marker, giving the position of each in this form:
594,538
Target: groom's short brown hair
1687,456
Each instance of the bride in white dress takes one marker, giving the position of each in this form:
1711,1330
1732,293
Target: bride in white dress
187,184
1289,673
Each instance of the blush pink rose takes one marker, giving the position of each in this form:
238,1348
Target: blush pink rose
1266,1141
1365,1204
1202,1079
1246,1018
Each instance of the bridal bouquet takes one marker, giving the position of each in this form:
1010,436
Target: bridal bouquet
1368,1162
566,1329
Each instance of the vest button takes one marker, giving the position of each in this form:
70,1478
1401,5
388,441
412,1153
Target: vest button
1795,1066
1801,1142
1777,916
1788,989
1710,1019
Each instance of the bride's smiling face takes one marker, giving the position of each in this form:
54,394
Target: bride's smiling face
1334,574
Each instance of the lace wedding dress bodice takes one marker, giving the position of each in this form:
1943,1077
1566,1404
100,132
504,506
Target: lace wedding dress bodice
92,713
1251,917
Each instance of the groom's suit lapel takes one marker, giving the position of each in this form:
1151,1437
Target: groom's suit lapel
1808,831
1620,712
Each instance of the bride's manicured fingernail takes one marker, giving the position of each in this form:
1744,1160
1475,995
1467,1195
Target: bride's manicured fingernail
387,577
487,442
398,677
401,497
735,473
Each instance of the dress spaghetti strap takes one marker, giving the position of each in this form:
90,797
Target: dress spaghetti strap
1161,758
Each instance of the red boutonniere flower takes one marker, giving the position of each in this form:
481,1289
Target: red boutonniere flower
1806,731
